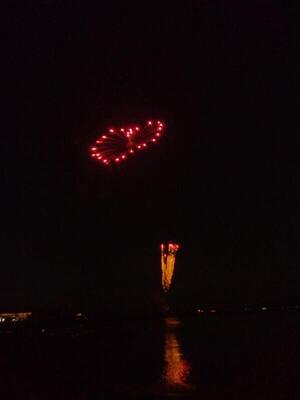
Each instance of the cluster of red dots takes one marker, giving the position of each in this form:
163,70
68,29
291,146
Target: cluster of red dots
171,247
117,144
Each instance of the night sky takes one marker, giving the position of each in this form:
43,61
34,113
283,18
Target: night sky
222,182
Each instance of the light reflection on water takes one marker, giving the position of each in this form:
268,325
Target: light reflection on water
177,369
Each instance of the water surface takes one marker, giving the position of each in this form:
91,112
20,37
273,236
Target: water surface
206,357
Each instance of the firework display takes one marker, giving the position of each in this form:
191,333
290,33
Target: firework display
117,144
168,255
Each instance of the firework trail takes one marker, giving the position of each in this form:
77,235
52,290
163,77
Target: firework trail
168,255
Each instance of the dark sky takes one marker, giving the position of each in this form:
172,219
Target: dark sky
222,182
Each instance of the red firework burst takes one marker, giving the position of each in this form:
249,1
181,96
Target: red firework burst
117,144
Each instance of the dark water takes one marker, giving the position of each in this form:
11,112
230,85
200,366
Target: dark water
208,357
